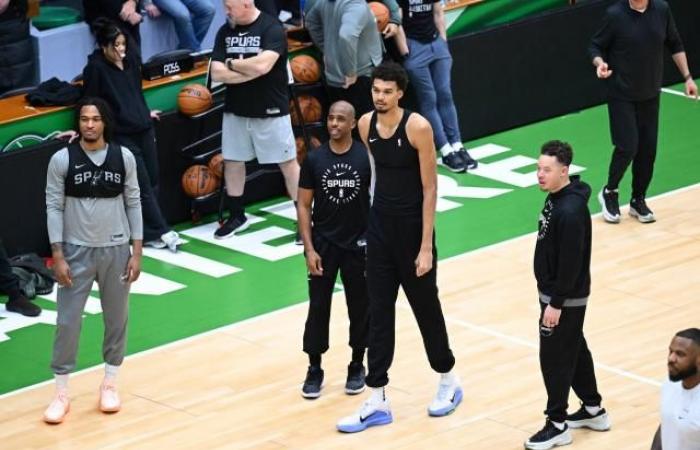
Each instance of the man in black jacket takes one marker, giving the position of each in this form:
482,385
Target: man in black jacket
628,52
562,269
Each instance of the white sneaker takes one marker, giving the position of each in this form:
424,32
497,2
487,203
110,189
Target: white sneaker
156,243
369,415
58,408
109,399
171,239
448,397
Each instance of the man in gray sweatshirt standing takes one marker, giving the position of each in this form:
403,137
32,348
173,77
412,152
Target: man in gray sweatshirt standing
346,33
93,209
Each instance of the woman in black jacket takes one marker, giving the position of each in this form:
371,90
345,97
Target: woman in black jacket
114,74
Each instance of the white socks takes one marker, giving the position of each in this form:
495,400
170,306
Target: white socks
448,377
457,146
592,410
377,395
559,425
446,149
111,373
61,382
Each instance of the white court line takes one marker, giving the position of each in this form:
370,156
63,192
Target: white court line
302,304
675,92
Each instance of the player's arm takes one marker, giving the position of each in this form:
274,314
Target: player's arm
255,66
313,22
363,128
439,19
132,204
691,89
55,204
598,48
420,134
222,74
353,21
313,259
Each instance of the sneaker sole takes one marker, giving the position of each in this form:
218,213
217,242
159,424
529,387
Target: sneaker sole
110,410
609,218
376,419
562,439
311,395
596,424
237,230
14,309
57,421
355,391
641,218
446,411
454,170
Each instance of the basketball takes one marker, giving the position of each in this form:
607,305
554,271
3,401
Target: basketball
216,165
305,69
310,109
381,13
193,99
198,181
301,146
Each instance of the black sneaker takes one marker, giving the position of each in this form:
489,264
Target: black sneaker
583,419
640,210
355,382
454,162
23,306
469,162
312,384
610,204
549,436
231,226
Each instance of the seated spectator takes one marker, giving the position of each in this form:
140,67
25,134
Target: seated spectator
125,13
9,284
16,50
191,18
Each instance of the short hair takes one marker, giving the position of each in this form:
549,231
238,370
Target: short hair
691,333
560,150
391,71
105,111
106,31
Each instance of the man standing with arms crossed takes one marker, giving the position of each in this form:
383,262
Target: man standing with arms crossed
562,266
628,52
93,209
335,178
250,57
401,246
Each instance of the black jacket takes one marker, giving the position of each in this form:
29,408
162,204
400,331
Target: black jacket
122,89
563,251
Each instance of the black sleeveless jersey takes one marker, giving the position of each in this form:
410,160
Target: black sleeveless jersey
398,188
86,179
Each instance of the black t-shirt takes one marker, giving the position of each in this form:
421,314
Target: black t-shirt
267,95
341,192
418,20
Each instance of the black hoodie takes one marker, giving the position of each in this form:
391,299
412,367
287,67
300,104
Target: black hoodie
120,88
563,250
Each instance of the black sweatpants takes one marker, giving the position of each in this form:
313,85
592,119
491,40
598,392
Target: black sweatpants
351,264
634,130
143,146
567,363
393,243
9,284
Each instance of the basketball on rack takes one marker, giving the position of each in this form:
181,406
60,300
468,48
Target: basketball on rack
381,13
198,181
193,99
305,69
310,109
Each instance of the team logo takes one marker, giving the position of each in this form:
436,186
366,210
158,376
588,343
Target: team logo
341,183
545,217
27,140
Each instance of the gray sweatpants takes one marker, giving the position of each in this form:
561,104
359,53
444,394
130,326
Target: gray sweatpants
88,264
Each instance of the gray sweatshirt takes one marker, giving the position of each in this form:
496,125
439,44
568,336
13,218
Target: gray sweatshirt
346,33
92,222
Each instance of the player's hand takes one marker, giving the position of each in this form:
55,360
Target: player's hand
61,272
424,262
134,18
349,81
602,70
128,8
313,263
152,11
155,114
691,89
133,269
69,135
551,316
390,30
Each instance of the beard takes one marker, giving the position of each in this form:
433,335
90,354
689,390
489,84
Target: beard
683,374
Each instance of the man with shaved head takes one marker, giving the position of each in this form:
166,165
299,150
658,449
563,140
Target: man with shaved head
680,395
335,179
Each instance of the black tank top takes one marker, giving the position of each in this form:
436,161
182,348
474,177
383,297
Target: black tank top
398,189
86,179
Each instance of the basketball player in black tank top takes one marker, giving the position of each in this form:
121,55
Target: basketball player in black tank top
401,246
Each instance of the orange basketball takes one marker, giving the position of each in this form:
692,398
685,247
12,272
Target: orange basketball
197,181
381,13
305,69
310,109
301,146
193,99
216,165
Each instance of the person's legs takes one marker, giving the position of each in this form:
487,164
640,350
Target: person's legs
625,138
643,164
352,273
203,12
440,71
179,12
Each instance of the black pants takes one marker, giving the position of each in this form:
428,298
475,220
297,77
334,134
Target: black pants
392,247
9,284
634,130
143,146
358,95
567,363
351,264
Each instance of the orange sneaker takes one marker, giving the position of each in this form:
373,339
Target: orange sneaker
58,408
109,399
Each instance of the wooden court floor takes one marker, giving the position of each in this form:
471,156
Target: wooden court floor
238,387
